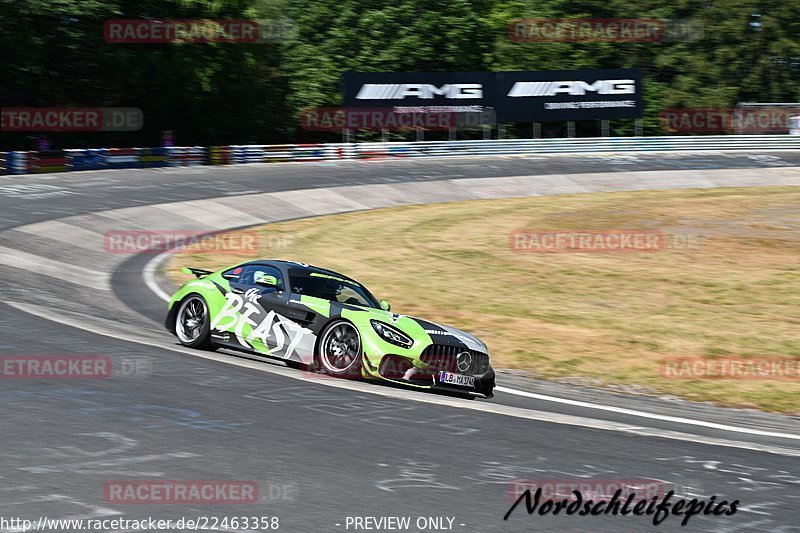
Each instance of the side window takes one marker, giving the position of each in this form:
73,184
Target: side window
349,296
251,273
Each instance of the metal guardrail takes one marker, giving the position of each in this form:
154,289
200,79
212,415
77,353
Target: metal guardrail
582,145
101,158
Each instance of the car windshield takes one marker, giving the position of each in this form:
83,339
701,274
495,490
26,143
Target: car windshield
330,287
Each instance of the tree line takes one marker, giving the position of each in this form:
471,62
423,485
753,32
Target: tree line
55,54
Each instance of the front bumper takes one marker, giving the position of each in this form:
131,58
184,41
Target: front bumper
389,370
484,385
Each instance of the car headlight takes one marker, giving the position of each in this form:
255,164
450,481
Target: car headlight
391,334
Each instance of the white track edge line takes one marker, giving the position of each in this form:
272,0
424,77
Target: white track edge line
645,414
493,408
149,275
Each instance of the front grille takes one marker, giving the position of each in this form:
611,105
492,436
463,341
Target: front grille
442,357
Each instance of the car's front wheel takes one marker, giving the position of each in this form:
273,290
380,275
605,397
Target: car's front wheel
192,323
339,352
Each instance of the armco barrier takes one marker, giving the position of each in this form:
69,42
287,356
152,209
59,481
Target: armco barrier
309,152
583,145
123,158
3,158
155,157
220,155
277,153
31,162
187,156
274,153
247,154
50,161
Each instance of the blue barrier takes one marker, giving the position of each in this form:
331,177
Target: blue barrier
88,159
20,162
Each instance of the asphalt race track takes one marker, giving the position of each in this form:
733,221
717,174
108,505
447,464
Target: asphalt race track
324,451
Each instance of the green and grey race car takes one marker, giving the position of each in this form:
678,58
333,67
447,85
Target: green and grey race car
318,319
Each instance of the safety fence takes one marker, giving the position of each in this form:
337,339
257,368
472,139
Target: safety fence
121,158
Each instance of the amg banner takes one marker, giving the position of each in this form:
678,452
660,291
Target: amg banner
470,93
536,96
556,95
458,99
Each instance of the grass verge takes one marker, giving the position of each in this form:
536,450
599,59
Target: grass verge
726,285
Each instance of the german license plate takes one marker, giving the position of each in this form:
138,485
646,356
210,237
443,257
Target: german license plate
459,380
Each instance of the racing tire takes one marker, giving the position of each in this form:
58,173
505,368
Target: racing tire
339,350
192,326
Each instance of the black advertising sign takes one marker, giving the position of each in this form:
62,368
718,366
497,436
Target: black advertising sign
558,95
458,99
532,96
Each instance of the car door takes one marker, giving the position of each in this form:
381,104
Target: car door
270,324
308,296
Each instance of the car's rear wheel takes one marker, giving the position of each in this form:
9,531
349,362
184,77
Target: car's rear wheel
339,352
192,323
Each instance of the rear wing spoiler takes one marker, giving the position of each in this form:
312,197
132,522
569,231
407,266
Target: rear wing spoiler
199,272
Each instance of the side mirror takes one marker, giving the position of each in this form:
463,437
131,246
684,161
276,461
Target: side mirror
267,281
386,305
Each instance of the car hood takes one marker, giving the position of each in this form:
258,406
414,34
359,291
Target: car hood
416,327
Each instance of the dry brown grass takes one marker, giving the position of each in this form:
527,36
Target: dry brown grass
596,318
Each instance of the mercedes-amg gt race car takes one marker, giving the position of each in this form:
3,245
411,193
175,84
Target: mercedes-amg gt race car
318,319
